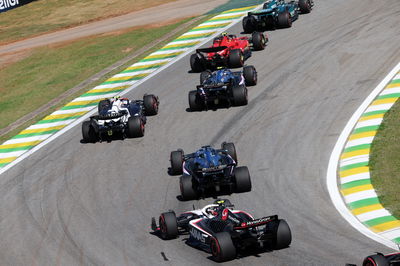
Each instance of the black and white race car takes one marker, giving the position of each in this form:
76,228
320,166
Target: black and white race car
224,232
380,259
120,115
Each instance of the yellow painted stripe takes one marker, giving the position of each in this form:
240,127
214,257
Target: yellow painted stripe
29,131
188,36
17,145
352,190
365,118
128,77
226,17
383,101
385,226
50,117
7,160
354,171
84,102
163,55
363,135
366,209
214,25
390,86
107,89
354,153
147,65
180,45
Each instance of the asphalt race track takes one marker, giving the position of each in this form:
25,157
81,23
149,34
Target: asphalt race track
91,204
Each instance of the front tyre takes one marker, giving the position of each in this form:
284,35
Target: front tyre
230,148
305,6
259,41
242,179
186,186
375,260
177,162
250,75
168,225
204,75
222,247
150,103
135,127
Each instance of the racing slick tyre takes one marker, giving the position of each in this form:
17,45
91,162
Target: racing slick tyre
250,75
236,58
249,24
282,234
204,75
103,105
150,103
375,260
222,247
195,63
230,147
135,127
176,162
88,133
168,225
258,40
284,20
239,95
242,179
305,6
186,186
194,101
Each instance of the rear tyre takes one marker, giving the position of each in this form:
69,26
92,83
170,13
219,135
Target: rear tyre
249,24
204,75
258,40
236,58
176,162
168,225
103,105
135,127
222,247
230,147
239,95
305,6
88,133
186,186
375,260
283,235
242,179
250,75
150,103
195,63
284,20
194,101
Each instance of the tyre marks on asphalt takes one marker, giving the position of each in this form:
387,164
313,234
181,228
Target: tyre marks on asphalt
29,138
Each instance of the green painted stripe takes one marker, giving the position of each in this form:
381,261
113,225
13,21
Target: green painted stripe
363,203
157,58
355,165
395,81
100,93
356,183
209,28
3,164
379,220
70,107
194,38
19,136
180,47
120,81
365,129
374,113
58,119
396,240
16,149
358,147
388,96
143,68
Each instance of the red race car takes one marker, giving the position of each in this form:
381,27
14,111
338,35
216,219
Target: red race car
227,50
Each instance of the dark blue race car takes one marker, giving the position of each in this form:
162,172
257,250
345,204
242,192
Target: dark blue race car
276,14
209,170
222,87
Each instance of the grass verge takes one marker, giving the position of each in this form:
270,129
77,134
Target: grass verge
50,71
49,15
385,161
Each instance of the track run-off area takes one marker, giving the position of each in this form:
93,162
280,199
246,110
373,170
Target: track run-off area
70,203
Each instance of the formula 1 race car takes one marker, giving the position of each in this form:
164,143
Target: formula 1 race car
120,115
209,170
227,50
380,259
222,87
276,14
224,232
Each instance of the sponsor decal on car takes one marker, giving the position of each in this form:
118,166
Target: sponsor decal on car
197,235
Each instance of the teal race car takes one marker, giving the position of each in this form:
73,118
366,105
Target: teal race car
276,14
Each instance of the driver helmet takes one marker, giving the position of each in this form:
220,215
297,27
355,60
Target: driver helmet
211,211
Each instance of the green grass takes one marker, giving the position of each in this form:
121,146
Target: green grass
48,72
49,15
385,161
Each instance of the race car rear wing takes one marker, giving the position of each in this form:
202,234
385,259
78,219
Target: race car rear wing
211,49
107,117
261,12
257,222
